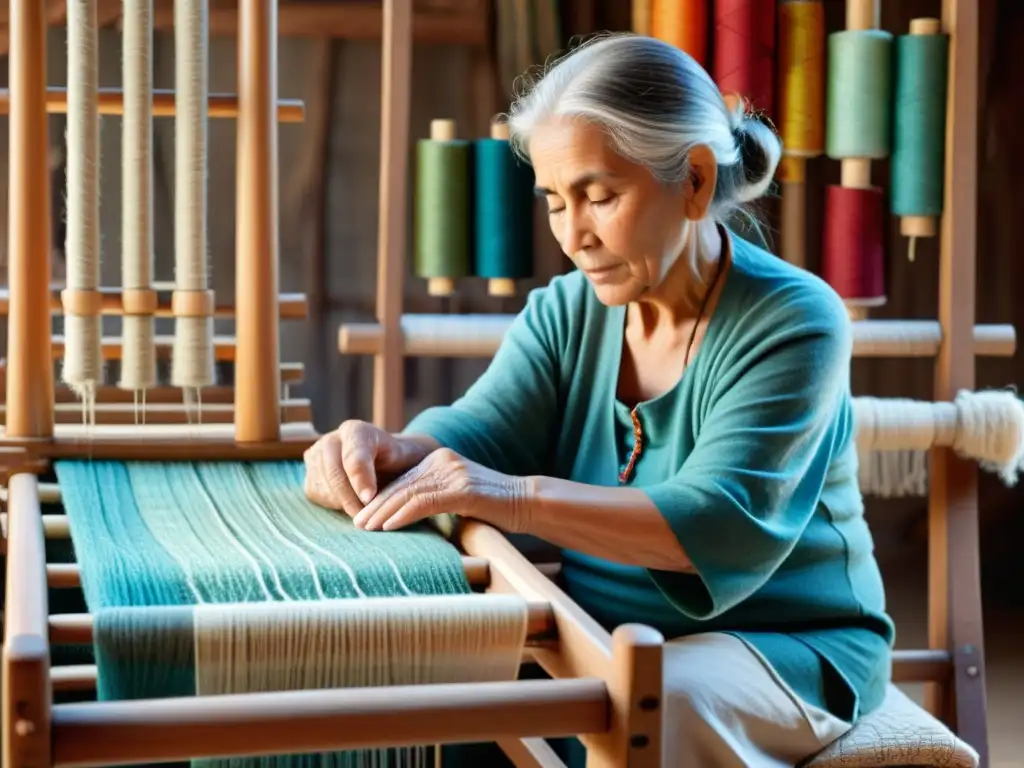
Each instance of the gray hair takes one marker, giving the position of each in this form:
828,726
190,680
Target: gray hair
655,102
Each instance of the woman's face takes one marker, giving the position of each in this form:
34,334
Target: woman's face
622,227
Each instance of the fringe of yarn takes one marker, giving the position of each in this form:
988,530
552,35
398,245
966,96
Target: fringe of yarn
138,355
83,357
895,435
192,362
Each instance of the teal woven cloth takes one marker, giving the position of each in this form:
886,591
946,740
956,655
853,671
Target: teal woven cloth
156,542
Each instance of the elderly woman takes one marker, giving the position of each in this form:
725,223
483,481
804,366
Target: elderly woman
674,414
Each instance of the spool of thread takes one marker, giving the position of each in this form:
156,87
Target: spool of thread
682,23
503,213
744,61
641,17
443,208
919,129
853,258
801,113
859,94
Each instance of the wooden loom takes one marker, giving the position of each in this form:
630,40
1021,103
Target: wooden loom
606,689
953,665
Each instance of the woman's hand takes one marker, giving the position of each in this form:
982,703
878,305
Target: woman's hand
344,467
445,482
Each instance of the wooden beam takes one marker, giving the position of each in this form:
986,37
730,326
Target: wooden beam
954,578
353,20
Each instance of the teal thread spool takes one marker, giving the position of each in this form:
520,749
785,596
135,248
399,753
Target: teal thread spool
859,101
503,213
919,129
443,208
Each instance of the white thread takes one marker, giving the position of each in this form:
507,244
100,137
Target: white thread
356,643
894,436
83,355
138,351
192,361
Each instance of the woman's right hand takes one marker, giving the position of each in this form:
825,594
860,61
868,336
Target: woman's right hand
343,468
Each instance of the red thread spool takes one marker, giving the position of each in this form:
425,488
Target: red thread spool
744,60
853,258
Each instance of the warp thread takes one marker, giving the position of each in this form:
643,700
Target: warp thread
83,357
138,355
985,426
853,257
163,548
682,23
744,51
859,94
474,208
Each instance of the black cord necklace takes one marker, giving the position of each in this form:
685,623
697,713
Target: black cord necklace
638,432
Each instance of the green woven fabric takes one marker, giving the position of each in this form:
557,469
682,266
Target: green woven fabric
153,539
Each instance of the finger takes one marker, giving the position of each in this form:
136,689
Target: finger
403,504
338,486
419,508
392,489
358,456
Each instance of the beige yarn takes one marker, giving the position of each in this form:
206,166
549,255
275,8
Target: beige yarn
83,358
138,354
894,436
192,362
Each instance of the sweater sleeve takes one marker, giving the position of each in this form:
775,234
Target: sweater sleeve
754,478
508,417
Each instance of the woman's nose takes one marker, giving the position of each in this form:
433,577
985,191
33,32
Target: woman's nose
576,234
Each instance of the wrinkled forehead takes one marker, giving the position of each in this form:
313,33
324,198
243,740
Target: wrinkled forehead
569,152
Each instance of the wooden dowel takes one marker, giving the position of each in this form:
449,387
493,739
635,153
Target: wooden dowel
170,442
26,647
29,369
73,677
76,628
257,417
225,348
292,410
531,753
69,574
290,722
111,102
426,335
291,306
918,666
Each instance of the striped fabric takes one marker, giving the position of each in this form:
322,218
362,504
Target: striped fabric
163,547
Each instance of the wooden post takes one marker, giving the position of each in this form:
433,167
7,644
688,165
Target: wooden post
257,413
388,373
954,579
29,375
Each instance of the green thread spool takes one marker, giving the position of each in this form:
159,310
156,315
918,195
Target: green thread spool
919,129
503,213
859,101
443,208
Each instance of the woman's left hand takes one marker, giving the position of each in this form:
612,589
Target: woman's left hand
445,482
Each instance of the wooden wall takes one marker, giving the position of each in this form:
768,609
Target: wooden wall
329,168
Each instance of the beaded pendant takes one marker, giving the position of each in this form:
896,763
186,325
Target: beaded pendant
638,447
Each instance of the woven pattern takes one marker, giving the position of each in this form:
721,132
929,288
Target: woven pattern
897,735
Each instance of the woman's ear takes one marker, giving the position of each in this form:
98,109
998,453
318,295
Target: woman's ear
701,185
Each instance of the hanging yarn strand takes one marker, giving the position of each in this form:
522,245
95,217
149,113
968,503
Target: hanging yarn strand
919,129
801,113
83,358
859,97
443,208
138,354
192,364
503,213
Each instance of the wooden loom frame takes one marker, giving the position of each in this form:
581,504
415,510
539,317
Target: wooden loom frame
954,662
606,688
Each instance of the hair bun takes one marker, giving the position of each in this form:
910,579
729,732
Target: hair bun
760,150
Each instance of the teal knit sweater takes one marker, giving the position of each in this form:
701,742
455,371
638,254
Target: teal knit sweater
750,458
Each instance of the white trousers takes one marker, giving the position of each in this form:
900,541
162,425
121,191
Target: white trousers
724,706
